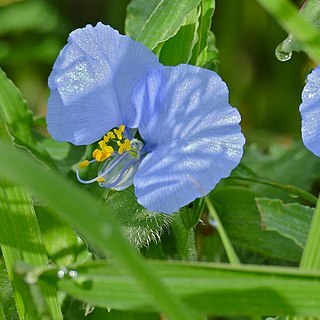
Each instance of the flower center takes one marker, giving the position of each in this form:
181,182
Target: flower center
120,158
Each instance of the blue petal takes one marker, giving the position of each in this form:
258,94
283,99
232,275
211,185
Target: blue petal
91,84
192,133
310,112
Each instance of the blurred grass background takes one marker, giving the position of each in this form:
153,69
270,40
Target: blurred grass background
266,91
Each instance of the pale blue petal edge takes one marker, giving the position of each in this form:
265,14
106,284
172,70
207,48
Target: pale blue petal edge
192,133
91,84
310,112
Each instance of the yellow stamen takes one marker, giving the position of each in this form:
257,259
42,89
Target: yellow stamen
108,136
125,146
84,163
102,144
101,179
119,132
101,155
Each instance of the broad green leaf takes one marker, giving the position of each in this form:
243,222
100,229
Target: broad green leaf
20,240
178,49
215,289
200,50
241,220
138,225
277,172
288,17
138,12
165,21
92,219
290,220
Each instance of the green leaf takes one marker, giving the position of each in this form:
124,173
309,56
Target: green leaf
139,225
20,240
92,219
58,236
200,50
311,254
212,60
240,217
100,314
184,238
63,154
288,17
215,289
311,12
178,49
138,12
6,294
282,167
290,220
165,21
16,113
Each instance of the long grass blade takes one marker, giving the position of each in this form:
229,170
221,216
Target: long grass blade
20,238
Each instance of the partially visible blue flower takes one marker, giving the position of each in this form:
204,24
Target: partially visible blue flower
310,112
168,130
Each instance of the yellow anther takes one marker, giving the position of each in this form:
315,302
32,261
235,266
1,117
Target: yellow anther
101,179
101,155
125,146
102,144
119,132
84,163
108,136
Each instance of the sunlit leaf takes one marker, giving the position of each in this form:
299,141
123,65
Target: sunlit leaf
165,21
290,220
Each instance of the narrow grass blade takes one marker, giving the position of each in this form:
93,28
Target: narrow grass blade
311,254
288,17
20,237
93,220
214,289
232,256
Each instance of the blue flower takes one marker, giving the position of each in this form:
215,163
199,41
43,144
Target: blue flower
170,131
310,112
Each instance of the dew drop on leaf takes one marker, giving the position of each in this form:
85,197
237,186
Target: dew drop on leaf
282,54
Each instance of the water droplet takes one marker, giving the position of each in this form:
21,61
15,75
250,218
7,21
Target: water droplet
282,54
62,272
50,264
73,274
30,278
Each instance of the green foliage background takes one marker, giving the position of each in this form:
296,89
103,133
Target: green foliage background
92,259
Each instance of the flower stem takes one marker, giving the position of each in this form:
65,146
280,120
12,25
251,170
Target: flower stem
232,256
